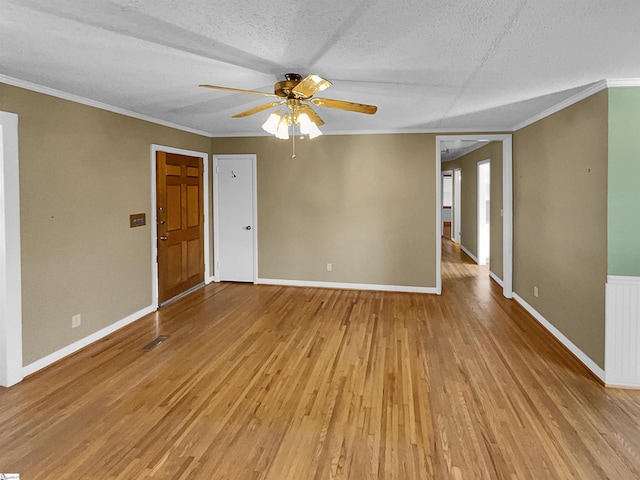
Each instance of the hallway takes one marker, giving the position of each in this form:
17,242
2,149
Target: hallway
270,382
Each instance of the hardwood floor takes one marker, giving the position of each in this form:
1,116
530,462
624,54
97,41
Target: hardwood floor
268,382
446,230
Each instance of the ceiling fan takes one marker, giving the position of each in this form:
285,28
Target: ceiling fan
296,94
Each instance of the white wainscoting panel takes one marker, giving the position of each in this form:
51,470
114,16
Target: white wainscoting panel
622,332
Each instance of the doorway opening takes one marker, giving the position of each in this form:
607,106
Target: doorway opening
447,203
443,150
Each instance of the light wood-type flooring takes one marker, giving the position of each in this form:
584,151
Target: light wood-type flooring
269,382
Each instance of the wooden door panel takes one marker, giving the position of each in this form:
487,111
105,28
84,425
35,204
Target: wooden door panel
193,204
174,266
194,257
174,170
174,214
180,224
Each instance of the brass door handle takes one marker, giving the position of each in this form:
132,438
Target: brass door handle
163,237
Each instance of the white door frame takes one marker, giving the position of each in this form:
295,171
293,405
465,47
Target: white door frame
481,213
456,216
507,206
154,214
11,369
216,216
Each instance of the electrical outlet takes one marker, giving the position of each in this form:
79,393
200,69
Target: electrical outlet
76,320
535,292
329,267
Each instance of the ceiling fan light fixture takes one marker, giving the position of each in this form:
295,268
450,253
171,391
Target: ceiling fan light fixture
305,123
308,126
295,94
283,127
314,131
271,125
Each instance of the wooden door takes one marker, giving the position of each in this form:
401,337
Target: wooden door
180,226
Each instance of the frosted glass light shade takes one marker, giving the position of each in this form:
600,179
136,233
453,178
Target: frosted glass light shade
283,129
271,125
314,131
305,123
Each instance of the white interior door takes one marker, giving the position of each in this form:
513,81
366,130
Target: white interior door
457,198
484,204
235,218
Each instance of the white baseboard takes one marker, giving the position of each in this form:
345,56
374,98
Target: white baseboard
496,278
626,385
347,286
473,257
75,346
580,355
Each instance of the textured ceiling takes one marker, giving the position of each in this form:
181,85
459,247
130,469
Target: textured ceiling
452,149
428,65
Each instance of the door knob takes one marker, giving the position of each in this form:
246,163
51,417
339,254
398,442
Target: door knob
248,227
163,237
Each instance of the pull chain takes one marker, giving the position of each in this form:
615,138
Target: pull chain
293,140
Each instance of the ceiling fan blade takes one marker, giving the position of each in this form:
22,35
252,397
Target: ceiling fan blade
342,105
257,109
313,116
239,90
310,85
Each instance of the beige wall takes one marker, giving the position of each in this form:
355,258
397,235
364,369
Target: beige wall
82,172
469,199
560,220
365,203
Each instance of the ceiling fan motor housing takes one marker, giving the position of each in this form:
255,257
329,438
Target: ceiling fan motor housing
284,88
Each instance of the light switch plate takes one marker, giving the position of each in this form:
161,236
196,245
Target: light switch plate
137,220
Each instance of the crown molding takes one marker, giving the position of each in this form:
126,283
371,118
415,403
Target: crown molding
129,113
94,103
623,82
586,93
